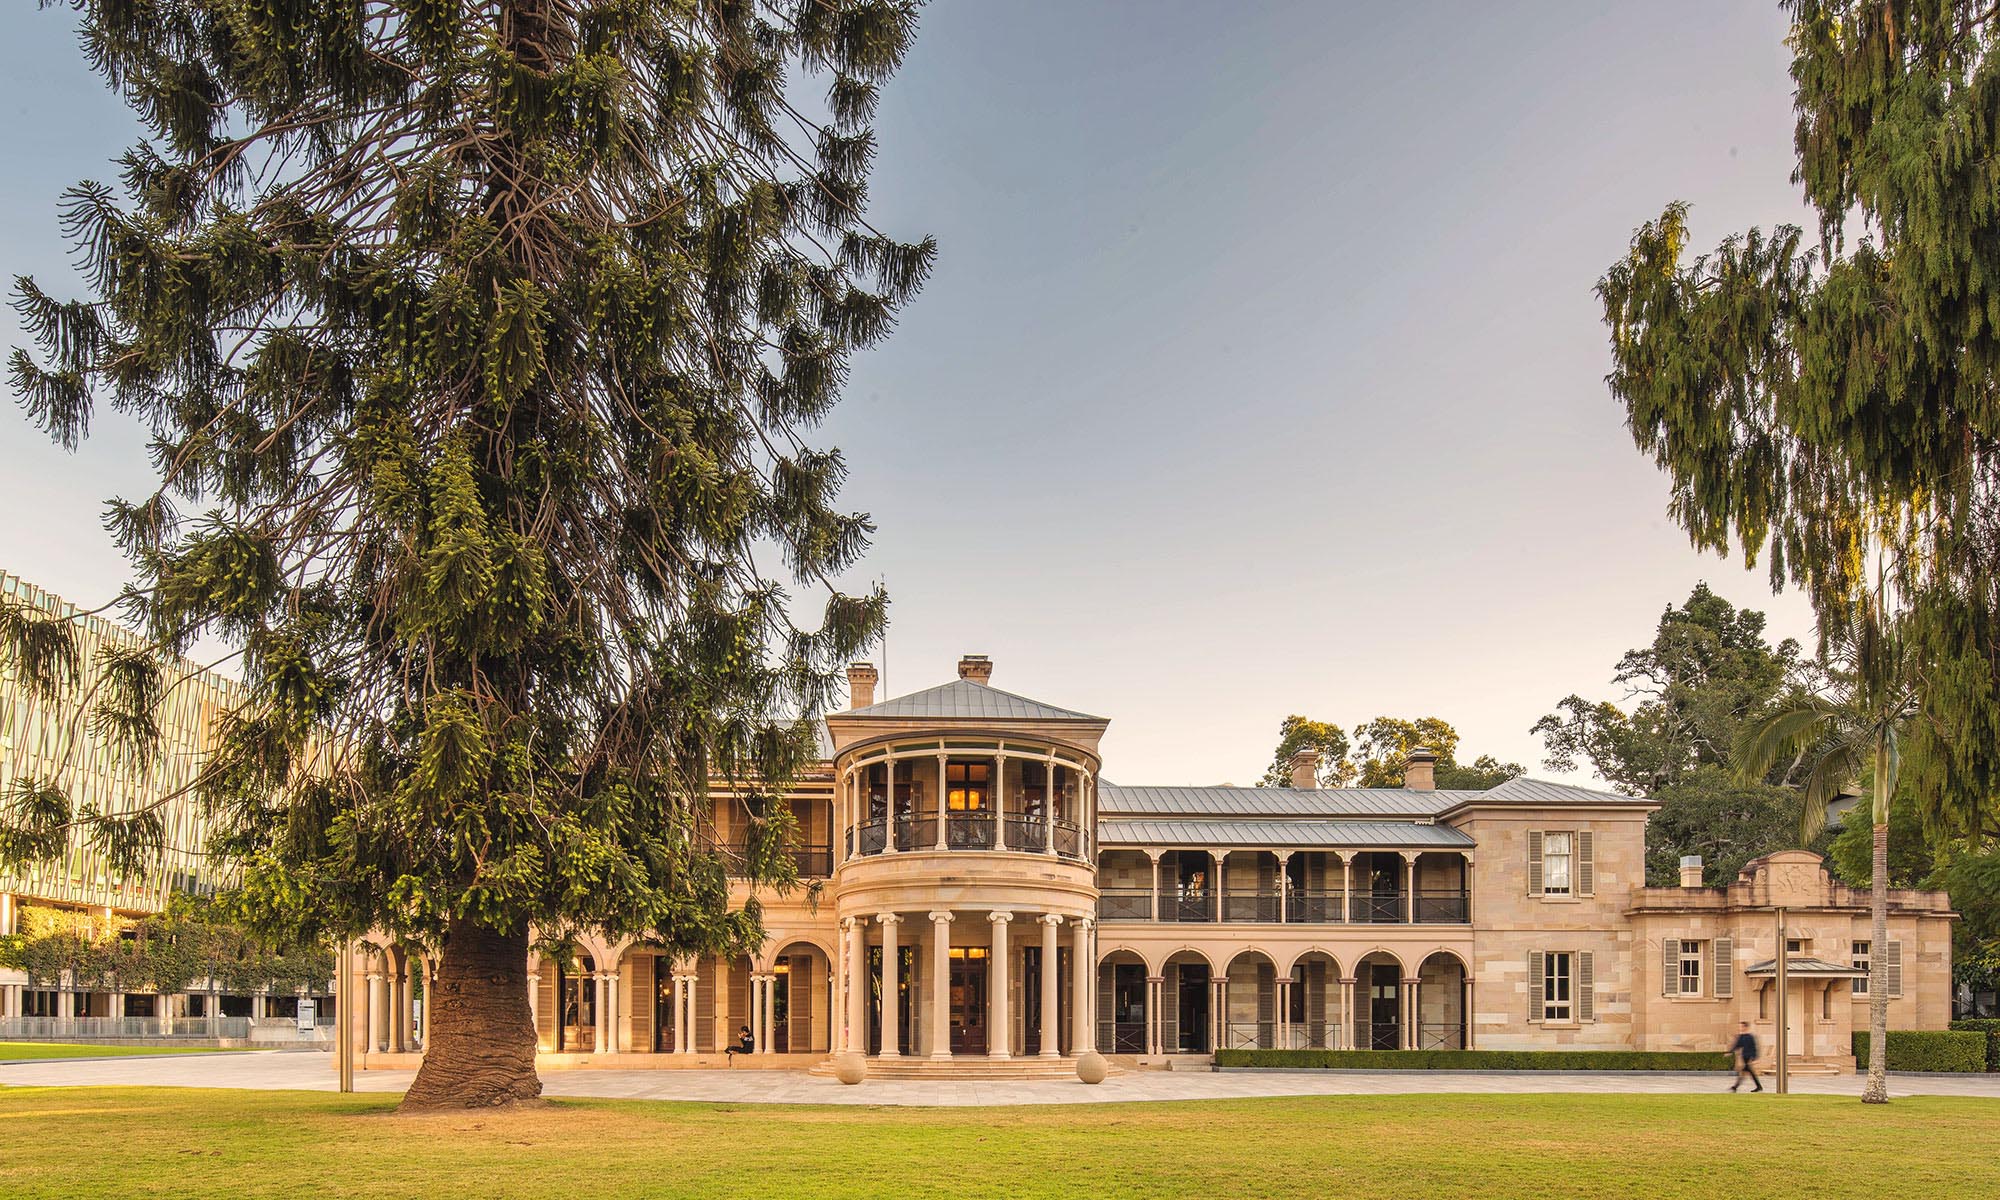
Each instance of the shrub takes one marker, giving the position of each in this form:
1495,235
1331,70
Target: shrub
1480,1060
1928,1050
1989,1027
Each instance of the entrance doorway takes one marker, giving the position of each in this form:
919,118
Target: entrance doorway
663,1007
906,970
781,1008
576,1031
1192,997
1031,998
1385,1003
968,999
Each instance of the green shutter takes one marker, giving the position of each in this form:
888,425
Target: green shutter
1670,966
1534,862
1586,987
1535,984
1722,967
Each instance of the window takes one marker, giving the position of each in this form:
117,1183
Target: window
1556,859
1556,989
1795,946
1860,959
1690,968
966,785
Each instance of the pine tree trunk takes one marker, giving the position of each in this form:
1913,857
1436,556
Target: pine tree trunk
481,1051
1877,1091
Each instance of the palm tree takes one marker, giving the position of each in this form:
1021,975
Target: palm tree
1857,723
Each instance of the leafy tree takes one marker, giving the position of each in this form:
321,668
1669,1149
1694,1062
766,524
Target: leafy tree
481,345
1379,750
1708,671
1856,726
1296,733
1835,407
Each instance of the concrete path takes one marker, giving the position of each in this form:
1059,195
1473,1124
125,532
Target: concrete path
307,1071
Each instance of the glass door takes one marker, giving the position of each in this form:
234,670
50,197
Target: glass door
968,1000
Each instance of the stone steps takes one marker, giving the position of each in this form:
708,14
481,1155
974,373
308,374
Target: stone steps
912,1067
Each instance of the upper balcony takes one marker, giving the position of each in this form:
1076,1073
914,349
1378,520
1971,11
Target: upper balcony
952,794
1286,887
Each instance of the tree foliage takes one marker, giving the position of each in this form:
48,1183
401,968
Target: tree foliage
481,344
1833,404
1377,753
192,940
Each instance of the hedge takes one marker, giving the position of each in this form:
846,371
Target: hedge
1480,1060
1928,1050
1989,1027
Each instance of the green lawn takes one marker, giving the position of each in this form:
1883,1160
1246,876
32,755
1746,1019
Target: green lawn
75,1142
18,1051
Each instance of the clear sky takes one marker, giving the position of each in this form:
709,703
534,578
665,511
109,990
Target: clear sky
1261,371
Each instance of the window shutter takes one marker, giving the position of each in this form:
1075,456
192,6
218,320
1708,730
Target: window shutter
545,1005
1534,862
643,1000
1586,987
1722,967
1895,968
1535,984
1670,966
1586,868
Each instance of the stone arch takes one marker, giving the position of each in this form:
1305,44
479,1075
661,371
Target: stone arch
1124,1013
1105,951
1441,1012
777,941
1313,949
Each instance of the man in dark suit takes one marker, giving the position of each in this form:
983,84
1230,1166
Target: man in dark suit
1744,1050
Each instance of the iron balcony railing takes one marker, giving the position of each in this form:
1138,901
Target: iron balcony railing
1069,839
1376,908
873,836
1252,907
1187,906
1441,1036
813,862
1443,907
1312,907
1024,833
1125,904
969,830
1027,834
1378,1035
41,1029
1121,1037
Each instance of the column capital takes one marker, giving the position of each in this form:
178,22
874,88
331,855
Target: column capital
999,917
1155,855
1282,855
1156,979
1346,856
1350,980
1409,856
941,917
1413,981
1081,924
1050,918
888,918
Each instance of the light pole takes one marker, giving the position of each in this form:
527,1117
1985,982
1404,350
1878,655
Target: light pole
1784,1075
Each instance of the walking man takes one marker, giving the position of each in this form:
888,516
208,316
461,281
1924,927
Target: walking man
1744,1051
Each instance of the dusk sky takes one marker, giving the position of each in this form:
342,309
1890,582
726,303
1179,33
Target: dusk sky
1261,372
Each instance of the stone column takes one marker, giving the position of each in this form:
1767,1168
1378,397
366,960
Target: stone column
889,809
1154,905
999,1023
857,986
1346,886
942,788
999,801
941,985
1409,888
1347,1016
771,1014
891,1042
1083,980
1465,1009
755,1017
1284,885
1156,1034
6,913
399,998
1281,1013
1221,860
1412,1012
1049,807
374,1011
1051,995
1218,1011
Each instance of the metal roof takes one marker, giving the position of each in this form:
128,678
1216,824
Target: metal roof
1118,800
964,698
1115,799
1279,833
1818,968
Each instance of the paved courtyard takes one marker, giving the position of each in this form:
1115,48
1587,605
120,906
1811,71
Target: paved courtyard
308,1071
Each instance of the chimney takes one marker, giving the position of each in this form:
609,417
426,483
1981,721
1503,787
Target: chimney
1420,770
861,685
976,667
1691,871
1305,768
